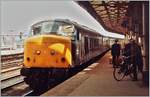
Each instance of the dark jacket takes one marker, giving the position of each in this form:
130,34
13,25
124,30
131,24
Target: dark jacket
115,49
134,51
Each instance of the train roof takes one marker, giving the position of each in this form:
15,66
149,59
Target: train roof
76,25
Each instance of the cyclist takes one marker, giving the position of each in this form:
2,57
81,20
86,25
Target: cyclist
133,51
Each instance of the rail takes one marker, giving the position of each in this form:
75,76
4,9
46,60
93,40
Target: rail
11,77
29,93
10,64
6,58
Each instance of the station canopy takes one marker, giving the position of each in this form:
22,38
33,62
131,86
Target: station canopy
110,14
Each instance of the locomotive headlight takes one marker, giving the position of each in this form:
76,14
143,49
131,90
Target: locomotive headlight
38,52
52,52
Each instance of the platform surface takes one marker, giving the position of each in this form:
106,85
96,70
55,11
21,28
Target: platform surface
97,80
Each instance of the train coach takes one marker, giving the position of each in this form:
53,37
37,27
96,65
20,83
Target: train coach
56,46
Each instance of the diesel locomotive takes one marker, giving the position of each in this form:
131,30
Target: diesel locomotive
56,46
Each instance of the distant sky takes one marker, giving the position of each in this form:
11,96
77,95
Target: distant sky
19,15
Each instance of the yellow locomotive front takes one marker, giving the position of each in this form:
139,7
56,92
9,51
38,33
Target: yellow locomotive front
47,52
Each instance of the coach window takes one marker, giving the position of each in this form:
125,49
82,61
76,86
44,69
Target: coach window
86,47
92,43
104,42
96,43
100,41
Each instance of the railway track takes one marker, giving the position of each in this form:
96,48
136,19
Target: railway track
12,83
12,60
10,77
10,64
20,89
29,93
12,57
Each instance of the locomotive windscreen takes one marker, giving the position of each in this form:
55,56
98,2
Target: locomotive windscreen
53,27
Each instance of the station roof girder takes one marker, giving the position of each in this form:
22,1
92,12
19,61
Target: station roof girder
110,14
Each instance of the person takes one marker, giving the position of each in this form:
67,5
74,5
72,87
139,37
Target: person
115,52
133,51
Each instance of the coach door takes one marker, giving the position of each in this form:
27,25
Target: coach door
82,53
86,48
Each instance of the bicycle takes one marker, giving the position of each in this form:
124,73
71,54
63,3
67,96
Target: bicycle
123,69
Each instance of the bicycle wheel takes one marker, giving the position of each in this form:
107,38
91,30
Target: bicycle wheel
118,73
131,71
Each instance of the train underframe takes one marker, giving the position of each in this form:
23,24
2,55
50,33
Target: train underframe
43,78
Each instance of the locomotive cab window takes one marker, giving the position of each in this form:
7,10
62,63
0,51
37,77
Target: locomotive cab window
53,27
67,30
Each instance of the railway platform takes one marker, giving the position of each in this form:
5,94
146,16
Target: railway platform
97,80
